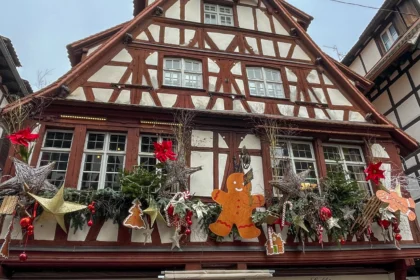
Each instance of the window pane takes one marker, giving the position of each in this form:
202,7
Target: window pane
90,181
147,144
352,154
334,168
93,163
192,80
281,150
301,150
386,41
58,174
117,143
148,163
115,163
210,8
303,166
331,153
172,78
96,141
356,172
60,140
393,33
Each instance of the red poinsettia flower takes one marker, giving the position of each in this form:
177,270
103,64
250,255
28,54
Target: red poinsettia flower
163,151
374,173
325,213
23,137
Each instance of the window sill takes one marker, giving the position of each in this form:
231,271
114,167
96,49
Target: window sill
270,98
183,88
312,104
121,86
222,94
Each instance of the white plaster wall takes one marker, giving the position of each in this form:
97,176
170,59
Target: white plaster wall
44,227
414,131
79,235
108,74
219,105
17,230
77,94
155,30
252,42
193,11
400,88
279,28
202,138
378,151
257,107
152,59
165,232
197,233
221,40
108,232
268,47
408,110
320,115
153,77
336,115
236,69
303,112
286,110
313,77
250,141
284,48
138,235
202,182
238,107
213,67
222,142
263,22
91,50
337,98
124,97
257,169
245,17
370,55
200,102
123,56
382,103
291,75
174,11
146,99
102,94
171,35
299,53
356,117
222,166
391,116
319,92
212,83
415,73
357,66
167,100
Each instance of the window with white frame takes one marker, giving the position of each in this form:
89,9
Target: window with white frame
56,147
217,14
389,36
183,73
264,82
350,158
146,151
299,154
103,159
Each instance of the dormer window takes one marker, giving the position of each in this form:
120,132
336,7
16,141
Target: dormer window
389,36
264,82
217,14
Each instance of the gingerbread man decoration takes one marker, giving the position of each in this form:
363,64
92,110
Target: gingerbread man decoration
396,202
237,205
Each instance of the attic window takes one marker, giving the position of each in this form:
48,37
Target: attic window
265,82
389,36
217,14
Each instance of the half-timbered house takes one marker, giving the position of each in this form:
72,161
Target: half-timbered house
233,63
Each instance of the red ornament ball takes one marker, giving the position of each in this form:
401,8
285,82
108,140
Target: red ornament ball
384,223
342,241
25,222
93,211
325,213
397,230
190,213
398,237
90,223
23,257
91,207
30,232
30,227
189,222
187,231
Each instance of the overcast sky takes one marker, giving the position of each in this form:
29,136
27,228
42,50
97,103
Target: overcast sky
41,29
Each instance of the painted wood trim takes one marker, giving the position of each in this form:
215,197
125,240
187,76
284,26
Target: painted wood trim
37,149
75,157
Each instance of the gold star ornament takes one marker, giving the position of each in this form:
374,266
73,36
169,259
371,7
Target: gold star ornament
57,207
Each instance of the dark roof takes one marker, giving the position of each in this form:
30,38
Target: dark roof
8,63
370,29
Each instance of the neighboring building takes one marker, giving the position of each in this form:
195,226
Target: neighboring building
12,86
233,63
387,53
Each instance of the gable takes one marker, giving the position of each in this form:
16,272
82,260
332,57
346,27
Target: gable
109,76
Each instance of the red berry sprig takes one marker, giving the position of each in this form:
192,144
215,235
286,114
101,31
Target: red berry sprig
92,210
189,222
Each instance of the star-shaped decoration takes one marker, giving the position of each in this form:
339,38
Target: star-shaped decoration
333,222
153,212
299,221
34,178
178,173
58,207
175,240
291,183
348,213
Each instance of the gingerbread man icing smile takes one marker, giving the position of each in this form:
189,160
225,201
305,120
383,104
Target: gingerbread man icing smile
237,205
